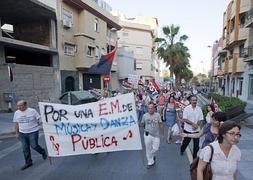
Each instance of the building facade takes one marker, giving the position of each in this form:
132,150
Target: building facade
86,30
28,51
237,43
216,72
138,35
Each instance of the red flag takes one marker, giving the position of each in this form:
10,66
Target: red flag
105,63
127,85
153,83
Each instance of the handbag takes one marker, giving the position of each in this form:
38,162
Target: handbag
207,173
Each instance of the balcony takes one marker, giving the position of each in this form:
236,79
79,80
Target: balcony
249,21
247,54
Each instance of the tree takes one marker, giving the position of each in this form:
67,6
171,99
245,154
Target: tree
173,52
195,80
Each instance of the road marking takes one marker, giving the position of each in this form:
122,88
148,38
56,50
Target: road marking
10,149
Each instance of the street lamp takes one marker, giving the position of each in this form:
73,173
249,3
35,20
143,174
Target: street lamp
202,62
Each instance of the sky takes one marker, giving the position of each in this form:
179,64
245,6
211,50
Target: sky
200,20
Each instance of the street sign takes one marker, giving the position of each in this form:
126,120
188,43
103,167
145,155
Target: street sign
106,78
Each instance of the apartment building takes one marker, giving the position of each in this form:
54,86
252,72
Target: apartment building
236,55
28,46
137,35
216,72
86,30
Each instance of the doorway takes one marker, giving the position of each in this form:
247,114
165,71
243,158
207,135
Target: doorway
69,84
91,81
251,87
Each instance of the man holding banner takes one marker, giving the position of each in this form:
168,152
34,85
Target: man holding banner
27,131
151,122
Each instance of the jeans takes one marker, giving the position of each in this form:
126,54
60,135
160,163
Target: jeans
27,140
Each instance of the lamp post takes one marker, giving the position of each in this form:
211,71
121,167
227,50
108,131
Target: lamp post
109,86
202,62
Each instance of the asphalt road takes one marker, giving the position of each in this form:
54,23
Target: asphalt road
107,166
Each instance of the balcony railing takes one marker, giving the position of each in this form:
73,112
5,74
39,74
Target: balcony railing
247,54
249,21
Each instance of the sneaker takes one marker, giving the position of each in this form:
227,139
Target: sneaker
44,156
150,166
178,142
26,166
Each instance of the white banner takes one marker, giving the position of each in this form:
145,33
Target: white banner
103,126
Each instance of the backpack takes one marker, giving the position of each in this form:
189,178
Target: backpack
207,173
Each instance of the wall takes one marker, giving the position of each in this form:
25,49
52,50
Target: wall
32,83
34,32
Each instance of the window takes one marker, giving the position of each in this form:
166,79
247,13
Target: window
69,49
67,18
242,20
233,85
232,26
139,50
126,48
125,34
240,86
230,54
90,51
152,67
96,25
138,66
241,50
103,51
97,52
251,85
224,33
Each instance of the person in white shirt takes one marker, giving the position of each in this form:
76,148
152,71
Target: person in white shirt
192,115
153,125
27,131
225,155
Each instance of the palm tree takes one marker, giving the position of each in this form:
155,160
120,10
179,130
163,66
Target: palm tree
172,50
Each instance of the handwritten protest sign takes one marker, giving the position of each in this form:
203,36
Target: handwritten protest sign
103,126
134,79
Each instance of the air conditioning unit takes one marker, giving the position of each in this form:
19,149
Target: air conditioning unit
66,23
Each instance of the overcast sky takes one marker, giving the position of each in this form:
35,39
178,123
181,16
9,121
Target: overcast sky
201,20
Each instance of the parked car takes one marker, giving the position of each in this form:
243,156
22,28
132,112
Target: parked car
78,97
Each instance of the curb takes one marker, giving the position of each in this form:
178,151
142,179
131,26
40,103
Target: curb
11,134
7,135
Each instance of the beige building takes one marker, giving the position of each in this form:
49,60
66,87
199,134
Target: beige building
236,55
138,35
86,30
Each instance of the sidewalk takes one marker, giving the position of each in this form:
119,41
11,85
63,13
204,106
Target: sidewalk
6,125
245,166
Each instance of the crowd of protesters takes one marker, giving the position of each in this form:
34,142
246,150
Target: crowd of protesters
177,109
